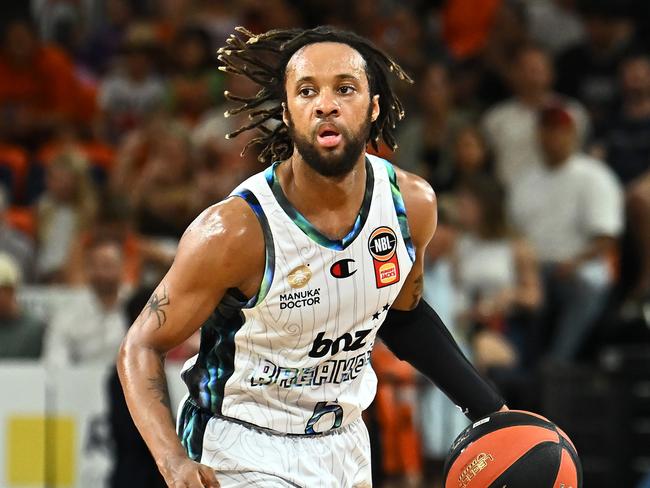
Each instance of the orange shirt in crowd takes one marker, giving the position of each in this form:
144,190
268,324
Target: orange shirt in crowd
466,25
47,86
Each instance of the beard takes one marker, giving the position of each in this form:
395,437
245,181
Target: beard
332,163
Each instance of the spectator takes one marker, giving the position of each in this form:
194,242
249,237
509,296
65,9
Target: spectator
14,243
511,126
21,335
114,223
496,271
91,331
65,209
426,138
556,24
104,42
588,70
627,146
195,85
133,91
571,210
38,87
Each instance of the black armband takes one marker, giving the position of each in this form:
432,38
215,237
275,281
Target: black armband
419,337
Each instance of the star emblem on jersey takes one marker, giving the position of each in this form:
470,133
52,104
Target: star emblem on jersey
382,245
299,276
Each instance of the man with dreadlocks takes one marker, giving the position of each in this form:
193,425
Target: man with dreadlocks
290,279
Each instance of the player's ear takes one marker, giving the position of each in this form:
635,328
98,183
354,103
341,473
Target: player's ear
285,114
375,107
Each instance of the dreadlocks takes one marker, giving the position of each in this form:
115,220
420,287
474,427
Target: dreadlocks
263,59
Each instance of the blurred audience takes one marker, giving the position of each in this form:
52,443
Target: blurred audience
133,91
511,126
39,89
555,24
426,138
498,280
91,330
114,223
21,335
64,210
571,209
15,243
627,148
588,70
195,85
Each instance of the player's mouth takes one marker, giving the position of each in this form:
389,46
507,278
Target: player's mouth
328,136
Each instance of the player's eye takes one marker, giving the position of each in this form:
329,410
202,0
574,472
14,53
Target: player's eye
346,89
306,92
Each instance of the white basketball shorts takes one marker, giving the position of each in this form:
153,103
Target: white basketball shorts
244,456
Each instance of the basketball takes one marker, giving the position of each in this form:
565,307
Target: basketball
513,449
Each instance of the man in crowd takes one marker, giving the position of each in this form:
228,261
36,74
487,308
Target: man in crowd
21,335
511,126
90,332
571,209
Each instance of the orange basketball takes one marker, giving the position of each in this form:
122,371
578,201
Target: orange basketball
513,449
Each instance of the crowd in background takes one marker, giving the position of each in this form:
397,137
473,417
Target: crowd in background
530,119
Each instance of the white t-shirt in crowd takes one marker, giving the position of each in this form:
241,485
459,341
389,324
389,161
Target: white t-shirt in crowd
84,332
512,132
560,210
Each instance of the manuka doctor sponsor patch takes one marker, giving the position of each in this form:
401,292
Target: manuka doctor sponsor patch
299,299
382,245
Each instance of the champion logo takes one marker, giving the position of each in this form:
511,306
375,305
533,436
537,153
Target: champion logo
343,268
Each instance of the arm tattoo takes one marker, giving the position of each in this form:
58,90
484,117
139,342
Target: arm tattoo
418,286
158,385
156,306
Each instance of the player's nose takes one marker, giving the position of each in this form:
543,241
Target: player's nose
326,105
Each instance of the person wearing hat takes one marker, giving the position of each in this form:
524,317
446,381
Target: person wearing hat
571,209
21,335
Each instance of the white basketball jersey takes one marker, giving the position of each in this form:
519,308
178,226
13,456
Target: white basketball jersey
296,357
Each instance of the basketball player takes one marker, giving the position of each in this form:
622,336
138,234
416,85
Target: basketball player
291,278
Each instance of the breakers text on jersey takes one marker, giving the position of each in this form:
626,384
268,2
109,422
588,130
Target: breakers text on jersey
332,371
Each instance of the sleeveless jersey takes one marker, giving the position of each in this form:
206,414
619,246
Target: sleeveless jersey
296,357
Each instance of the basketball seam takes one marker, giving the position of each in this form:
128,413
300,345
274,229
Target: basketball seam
522,458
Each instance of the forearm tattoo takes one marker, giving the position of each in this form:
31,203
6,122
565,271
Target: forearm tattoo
158,385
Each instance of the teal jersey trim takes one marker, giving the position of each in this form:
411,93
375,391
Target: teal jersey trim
269,269
307,228
400,209
215,363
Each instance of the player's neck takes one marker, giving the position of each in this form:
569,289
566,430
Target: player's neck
302,183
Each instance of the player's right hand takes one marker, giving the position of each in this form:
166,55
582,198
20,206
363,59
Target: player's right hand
185,473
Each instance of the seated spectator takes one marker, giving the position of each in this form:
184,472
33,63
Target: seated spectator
194,85
511,126
105,41
21,335
571,210
161,196
15,243
556,24
133,91
627,146
38,87
588,71
497,277
114,222
91,331
65,209
425,139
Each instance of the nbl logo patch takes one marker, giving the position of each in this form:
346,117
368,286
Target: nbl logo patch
383,246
